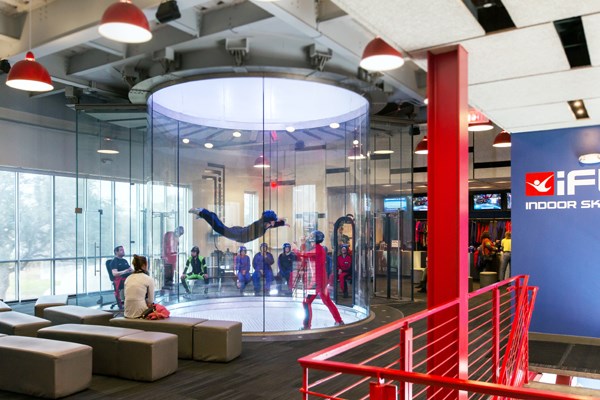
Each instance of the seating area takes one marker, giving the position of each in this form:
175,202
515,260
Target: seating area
49,301
63,350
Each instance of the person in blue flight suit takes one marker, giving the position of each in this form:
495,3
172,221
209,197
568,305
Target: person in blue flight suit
242,269
262,263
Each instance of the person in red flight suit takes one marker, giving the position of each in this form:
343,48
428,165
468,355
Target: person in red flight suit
344,266
318,258
169,256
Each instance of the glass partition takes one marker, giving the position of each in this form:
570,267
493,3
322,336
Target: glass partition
238,147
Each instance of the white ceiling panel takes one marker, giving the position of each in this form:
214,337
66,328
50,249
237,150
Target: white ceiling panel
591,27
533,12
593,108
513,118
520,52
582,83
557,125
413,25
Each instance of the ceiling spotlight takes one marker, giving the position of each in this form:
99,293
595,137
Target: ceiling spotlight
125,22
355,142
426,100
167,11
380,56
237,134
290,129
422,146
185,140
591,158
334,125
208,145
502,139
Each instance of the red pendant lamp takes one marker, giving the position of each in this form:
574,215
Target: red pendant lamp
28,74
478,122
126,23
380,56
262,162
502,139
422,146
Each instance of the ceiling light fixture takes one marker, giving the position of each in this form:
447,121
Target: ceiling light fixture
478,122
380,56
237,134
422,147
107,146
125,22
578,109
591,158
186,140
290,129
262,162
355,154
385,151
28,74
208,145
334,125
502,139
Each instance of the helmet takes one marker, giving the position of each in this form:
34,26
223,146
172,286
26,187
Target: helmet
319,236
195,249
269,215
179,230
242,248
286,245
263,244
344,245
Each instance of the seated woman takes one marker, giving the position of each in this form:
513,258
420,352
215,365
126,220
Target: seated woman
139,289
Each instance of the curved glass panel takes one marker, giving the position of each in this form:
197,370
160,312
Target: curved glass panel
237,147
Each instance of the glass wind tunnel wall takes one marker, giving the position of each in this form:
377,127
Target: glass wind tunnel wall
240,146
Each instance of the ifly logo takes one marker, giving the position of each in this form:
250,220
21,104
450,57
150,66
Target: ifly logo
560,183
539,184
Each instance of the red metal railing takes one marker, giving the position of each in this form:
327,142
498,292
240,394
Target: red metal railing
394,361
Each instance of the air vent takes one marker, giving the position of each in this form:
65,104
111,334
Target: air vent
491,14
572,36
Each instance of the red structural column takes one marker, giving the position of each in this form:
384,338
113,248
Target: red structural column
447,215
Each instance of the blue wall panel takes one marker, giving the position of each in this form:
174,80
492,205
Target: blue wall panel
556,227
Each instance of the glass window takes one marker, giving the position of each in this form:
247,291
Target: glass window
64,217
7,215
65,277
8,287
35,216
123,212
34,279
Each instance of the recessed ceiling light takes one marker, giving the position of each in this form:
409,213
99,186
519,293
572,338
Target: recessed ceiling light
334,125
578,109
208,145
237,134
185,140
592,158
290,129
355,142
426,101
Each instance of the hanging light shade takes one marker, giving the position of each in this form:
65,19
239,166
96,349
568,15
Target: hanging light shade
107,146
478,122
29,75
380,56
502,140
262,162
355,154
126,23
422,146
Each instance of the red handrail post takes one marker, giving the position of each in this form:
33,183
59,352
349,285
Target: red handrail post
406,360
496,334
381,391
305,383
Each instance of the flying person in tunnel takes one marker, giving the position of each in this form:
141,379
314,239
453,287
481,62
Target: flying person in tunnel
242,234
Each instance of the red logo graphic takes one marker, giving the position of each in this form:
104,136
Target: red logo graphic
539,184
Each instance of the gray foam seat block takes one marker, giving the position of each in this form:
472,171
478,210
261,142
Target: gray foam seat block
76,315
16,323
44,302
44,368
147,356
216,340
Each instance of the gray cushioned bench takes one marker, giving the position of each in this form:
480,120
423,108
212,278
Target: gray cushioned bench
49,301
16,323
181,326
123,352
76,315
44,368
199,339
4,307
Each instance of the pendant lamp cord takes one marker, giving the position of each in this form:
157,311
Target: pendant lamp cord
30,17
